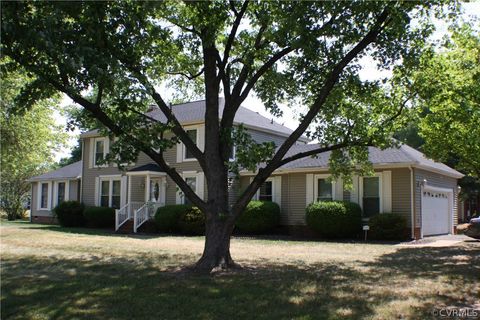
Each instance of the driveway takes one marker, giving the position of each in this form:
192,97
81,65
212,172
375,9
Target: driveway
447,240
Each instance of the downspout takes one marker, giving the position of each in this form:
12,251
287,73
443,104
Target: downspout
412,202
80,197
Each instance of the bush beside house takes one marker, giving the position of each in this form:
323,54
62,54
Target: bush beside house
334,219
167,217
259,217
70,214
192,221
388,226
100,217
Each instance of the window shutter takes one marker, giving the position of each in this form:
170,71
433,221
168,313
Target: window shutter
123,191
201,138
179,152
355,190
97,190
387,191
277,187
338,189
91,158
309,189
201,185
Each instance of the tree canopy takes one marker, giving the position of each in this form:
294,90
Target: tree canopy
298,53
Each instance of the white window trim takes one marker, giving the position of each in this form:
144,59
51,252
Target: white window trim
380,190
315,186
55,191
234,155
110,178
197,142
106,147
49,196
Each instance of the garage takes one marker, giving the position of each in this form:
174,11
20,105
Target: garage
437,213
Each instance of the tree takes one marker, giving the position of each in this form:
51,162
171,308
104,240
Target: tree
27,141
446,84
304,53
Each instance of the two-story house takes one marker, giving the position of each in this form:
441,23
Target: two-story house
405,181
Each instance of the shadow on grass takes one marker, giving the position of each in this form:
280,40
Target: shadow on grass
149,287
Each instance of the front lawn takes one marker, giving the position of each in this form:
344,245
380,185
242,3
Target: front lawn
48,272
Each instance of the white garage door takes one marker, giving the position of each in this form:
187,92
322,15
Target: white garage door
435,213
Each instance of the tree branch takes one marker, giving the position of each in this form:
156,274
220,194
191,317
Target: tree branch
188,76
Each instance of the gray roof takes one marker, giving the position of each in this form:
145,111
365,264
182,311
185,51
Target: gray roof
192,112
147,167
71,171
404,155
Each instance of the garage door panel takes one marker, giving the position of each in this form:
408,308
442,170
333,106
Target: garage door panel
435,213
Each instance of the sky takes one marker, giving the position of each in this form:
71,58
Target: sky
369,71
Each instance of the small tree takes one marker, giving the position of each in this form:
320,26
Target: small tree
27,140
304,53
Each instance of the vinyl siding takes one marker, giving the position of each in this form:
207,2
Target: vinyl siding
34,210
401,189
435,180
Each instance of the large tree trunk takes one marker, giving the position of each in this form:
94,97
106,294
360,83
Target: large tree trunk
216,253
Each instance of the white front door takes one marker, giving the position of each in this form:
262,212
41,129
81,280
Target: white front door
436,210
157,191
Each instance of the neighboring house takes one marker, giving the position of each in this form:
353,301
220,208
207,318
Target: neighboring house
405,181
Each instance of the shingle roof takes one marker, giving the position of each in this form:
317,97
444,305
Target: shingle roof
192,112
147,167
71,171
402,155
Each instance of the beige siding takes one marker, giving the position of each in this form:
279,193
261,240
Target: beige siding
74,190
401,189
34,208
435,180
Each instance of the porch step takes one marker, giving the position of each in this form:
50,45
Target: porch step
127,227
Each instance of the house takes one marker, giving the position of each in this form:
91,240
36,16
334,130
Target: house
405,181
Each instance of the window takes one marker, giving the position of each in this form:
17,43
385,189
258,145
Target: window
110,193
192,183
233,151
60,192
192,133
371,196
324,190
44,188
265,192
100,146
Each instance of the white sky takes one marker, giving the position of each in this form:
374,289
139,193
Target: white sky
290,116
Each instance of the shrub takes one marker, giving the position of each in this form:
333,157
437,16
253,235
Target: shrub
387,226
167,218
100,217
334,219
192,221
70,214
259,217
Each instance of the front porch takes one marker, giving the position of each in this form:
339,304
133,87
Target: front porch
147,187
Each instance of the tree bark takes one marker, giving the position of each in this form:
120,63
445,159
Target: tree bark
216,252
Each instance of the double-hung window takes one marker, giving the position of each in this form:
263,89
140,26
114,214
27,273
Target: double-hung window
371,196
44,195
100,146
192,183
110,193
61,190
324,190
192,133
265,192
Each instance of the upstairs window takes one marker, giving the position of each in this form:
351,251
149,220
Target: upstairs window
192,133
99,151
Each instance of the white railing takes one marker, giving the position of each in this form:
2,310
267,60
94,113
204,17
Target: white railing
125,213
145,213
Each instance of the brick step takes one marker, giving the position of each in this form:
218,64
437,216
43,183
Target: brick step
127,227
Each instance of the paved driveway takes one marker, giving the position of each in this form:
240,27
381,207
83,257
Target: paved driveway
439,241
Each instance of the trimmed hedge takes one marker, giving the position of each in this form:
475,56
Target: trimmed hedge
334,219
167,218
192,221
259,217
100,217
388,226
70,214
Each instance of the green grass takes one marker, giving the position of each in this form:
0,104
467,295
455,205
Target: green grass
49,272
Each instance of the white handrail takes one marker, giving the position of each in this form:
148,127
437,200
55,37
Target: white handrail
144,213
121,215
